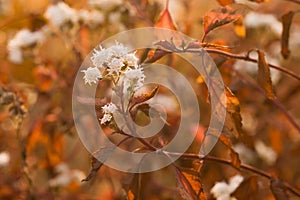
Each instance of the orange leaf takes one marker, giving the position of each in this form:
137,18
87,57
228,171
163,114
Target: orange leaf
165,20
143,97
233,121
286,22
225,2
239,28
264,76
259,1
219,17
189,186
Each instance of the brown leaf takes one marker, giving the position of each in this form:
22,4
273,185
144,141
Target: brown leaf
219,17
143,97
264,76
233,121
286,22
225,2
165,20
235,159
278,189
248,189
189,186
156,55
102,154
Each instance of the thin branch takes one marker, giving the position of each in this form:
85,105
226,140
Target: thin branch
294,1
247,58
275,102
229,163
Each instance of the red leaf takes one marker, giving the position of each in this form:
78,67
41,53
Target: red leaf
165,20
219,17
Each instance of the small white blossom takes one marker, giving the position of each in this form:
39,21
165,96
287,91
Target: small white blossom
131,60
255,20
133,79
108,110
101,56
66,176
61,13
91,75
24,38
105,4
4,158
106,118
223,190
265,153
119,50
91,18
115,65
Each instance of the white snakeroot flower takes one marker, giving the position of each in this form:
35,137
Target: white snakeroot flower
118,50
61,13
24,38
106,118
65,176
223,190
92,75
131,60
101,56
265,153
255,20
108,110
115,65
133,79
4,159
105,4
91,18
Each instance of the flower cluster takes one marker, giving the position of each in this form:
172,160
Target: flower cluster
61,16
24,38
223,190
115,63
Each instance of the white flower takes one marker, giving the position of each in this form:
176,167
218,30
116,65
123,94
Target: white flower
133,79
91,75
60,14
105,4
108,110
265,153
115,65
131,60
65,176
106,118
91,18
101,56
24,38
255,20
118,50
223,190
4,158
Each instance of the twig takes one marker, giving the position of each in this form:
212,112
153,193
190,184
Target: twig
294,1
275,102
247,58
229,163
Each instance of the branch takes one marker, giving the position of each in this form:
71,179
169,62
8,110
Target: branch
247,58
294,1
275,102
229,163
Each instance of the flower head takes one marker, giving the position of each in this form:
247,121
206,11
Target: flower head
133,79
108,110
60,14
91,75
223,190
